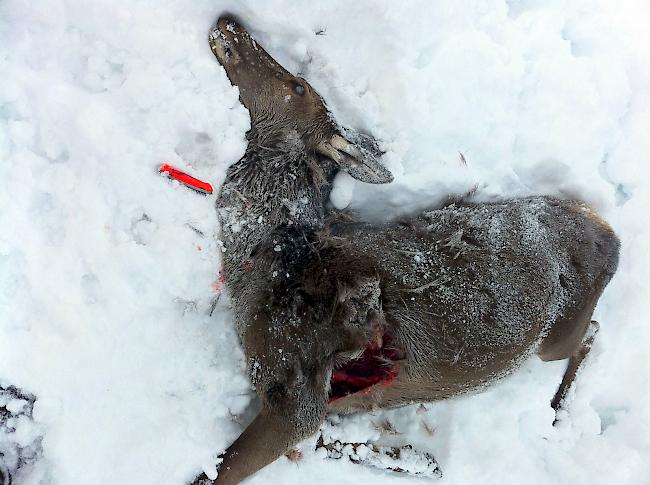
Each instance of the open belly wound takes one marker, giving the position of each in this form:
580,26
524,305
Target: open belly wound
376,366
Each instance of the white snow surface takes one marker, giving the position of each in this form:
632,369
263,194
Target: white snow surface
105,289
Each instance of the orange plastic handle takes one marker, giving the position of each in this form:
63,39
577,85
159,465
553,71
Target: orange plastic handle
186,179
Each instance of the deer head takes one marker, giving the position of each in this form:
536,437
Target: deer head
283,106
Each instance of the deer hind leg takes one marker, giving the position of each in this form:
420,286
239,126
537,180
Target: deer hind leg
575,361
570,338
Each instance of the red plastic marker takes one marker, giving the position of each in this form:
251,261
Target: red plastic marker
188,180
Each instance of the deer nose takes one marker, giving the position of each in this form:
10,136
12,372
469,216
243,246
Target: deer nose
228,23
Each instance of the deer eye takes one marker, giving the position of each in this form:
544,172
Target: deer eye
299,89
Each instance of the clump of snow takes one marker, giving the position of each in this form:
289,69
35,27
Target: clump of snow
343,190
108,271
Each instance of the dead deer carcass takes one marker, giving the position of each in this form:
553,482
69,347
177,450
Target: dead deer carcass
338,315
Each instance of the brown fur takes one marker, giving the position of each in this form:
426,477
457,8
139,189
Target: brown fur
463,294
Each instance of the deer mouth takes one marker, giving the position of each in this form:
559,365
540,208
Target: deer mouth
378,365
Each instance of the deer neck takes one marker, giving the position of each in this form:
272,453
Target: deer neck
275,184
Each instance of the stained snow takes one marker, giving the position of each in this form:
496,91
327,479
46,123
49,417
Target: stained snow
107,285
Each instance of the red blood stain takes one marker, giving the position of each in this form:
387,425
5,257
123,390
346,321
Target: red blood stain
377,365
217,285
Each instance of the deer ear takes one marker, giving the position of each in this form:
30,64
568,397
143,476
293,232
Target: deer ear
358,155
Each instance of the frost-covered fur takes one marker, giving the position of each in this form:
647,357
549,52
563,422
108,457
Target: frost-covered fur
276,183
470,290
465,292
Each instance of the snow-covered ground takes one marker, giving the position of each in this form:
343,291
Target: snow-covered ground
106,283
